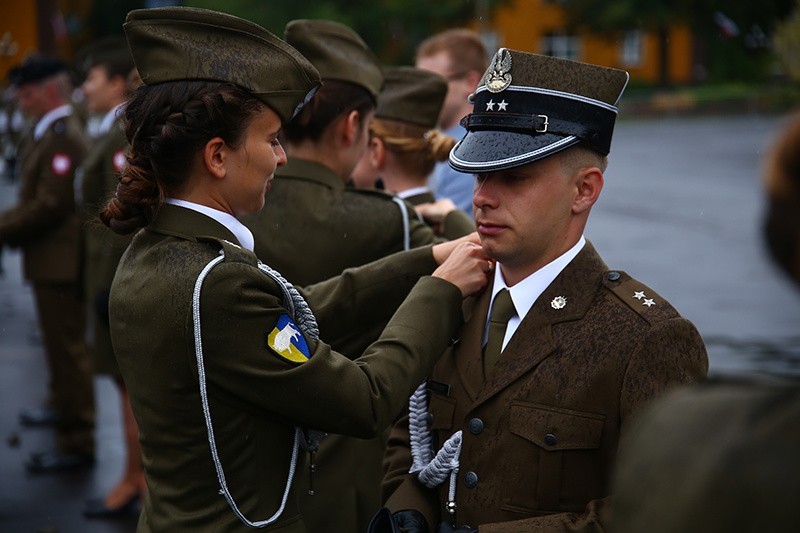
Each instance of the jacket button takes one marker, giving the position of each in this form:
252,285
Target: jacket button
470,479
613,276
550,439
475,426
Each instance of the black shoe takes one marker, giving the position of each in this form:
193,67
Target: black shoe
55,461
39,416
96,508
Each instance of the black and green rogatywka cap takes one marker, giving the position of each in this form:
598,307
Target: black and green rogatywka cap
337,52
412,95
529,106
182,43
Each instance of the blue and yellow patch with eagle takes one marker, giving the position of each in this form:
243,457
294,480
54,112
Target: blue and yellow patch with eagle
287,341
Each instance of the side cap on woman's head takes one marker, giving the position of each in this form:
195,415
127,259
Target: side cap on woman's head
337,52
412,95
182,43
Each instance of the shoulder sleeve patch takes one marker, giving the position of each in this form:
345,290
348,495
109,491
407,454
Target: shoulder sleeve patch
287,342
118,160
61,164
639,297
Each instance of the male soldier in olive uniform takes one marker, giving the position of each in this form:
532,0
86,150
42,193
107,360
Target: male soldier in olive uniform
518,425
314,225
45,225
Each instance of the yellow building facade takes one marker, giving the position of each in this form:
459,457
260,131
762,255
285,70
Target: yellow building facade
540,26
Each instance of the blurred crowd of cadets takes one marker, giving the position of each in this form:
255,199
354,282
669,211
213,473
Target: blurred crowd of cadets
14,124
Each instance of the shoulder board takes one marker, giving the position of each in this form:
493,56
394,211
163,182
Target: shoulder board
233,252
640,298
378,193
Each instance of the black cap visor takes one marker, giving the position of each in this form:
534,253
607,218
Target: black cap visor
487,151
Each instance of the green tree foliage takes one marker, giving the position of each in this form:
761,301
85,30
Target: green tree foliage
728,51
392,28
787,44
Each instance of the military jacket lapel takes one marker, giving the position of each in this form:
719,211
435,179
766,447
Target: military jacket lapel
575,288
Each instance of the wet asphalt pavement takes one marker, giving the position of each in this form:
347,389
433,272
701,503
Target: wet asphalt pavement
681,211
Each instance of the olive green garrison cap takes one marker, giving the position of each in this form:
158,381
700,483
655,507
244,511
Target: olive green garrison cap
412,95
337,52
182,43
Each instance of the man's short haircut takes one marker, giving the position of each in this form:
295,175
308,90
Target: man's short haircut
465,48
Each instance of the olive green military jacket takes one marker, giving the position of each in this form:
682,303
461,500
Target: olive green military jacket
737,473
102,247
309,211
255,395
540,436
45,223
456,224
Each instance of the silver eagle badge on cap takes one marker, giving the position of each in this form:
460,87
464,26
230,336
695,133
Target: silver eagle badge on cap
498,76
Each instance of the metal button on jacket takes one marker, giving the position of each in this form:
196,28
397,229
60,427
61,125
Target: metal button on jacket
613,276
470,479
550,439
475,426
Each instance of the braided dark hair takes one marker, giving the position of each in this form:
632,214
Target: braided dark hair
167,125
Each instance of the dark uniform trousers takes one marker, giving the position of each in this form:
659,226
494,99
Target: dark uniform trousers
45,225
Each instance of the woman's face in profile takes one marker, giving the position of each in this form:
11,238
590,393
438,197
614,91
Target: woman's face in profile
251,166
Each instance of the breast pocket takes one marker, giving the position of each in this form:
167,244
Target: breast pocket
568,469
441,410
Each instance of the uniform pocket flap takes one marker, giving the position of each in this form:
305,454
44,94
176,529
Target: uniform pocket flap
441,410
553,428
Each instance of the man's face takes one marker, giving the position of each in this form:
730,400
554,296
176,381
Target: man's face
524,215
459,87
102,93
33,100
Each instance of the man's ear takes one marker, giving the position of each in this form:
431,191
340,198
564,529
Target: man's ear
215,157
589,184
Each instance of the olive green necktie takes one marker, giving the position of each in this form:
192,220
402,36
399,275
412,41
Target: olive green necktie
502,310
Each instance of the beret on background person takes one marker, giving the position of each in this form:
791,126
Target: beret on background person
36,68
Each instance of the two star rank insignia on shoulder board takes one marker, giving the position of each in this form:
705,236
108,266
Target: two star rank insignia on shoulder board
288,342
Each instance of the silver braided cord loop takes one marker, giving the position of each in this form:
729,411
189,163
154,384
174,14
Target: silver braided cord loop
294,302
421,445
305,319
431,472
444,464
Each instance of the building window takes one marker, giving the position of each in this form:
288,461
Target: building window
561,45
632,48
